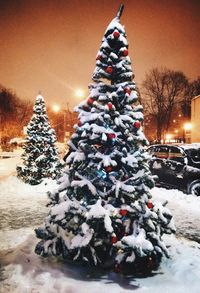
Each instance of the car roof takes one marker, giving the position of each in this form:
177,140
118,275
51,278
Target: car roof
191,146
184,146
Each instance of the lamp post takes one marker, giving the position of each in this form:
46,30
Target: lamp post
67,115
67,120
56,109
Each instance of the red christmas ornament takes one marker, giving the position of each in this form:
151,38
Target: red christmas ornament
85,108
150,205
110,106
136,124
90,101
109,69
111,135
117,268
108,169
114,239
123,212
125,53
127,90
116,34
150,263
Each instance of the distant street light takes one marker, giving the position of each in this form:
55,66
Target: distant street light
56,108
79,93
168,137
187,126
187,132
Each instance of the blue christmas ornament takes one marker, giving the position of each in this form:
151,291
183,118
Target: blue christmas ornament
101,174
114,174
113,141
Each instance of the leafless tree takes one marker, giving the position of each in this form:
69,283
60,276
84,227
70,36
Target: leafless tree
162,90
195,87
14,114
192,91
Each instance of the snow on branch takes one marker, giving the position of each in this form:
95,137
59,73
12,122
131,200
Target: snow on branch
84,182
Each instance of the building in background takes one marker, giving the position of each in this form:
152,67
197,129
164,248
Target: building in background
195,119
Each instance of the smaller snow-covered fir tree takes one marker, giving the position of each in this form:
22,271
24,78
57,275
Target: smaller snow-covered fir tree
102,213
40,157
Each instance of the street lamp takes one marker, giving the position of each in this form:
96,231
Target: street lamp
187,132
187,126
56,108
79,93
168,137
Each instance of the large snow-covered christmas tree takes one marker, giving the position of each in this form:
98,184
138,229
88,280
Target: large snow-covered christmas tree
102,213
40,157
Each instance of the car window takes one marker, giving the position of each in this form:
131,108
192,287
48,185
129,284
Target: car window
176,154
161,152
151,150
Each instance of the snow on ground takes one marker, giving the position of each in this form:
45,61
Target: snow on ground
26,272
21,205
22,208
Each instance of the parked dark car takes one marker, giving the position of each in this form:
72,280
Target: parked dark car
177,166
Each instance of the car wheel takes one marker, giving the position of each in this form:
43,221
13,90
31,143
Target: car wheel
194,188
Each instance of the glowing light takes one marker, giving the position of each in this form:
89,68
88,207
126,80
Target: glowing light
168,136
56,108
187,126
176,130
79,93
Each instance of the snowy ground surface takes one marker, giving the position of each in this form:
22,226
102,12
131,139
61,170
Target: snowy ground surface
22,208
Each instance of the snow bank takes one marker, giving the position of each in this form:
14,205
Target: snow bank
8,166
13,188
185,209
177,198
10,239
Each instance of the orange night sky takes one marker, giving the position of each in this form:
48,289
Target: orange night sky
51,45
